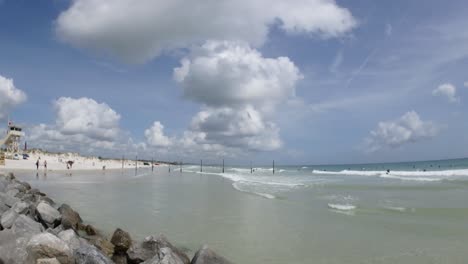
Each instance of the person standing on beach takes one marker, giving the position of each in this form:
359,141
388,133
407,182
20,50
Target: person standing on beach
45,164
37,164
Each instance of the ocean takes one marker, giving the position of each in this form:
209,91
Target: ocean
416,212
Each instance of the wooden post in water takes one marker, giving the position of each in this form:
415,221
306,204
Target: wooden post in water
273,166
136,162
180,166
201,165
152,164
223,165
169,167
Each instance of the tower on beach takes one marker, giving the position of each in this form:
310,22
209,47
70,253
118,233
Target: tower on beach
11,140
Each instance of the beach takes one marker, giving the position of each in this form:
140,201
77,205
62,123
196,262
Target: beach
58,162
301,214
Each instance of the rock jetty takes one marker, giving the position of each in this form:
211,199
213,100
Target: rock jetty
36,230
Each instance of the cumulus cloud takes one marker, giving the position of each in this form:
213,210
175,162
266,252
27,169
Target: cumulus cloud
140,31
239,90
446,90
10,96
87,117
406,129
81,124
155,136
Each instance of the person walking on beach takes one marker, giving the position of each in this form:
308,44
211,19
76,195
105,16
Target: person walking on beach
37,164
45,164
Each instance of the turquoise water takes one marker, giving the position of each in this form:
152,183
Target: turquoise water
416,213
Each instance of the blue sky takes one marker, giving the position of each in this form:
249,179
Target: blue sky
310,82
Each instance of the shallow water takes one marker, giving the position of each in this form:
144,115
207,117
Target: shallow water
302,214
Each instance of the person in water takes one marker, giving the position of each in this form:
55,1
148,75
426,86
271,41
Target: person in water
45,164
388,171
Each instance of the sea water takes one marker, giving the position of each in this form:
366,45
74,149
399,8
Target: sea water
416,212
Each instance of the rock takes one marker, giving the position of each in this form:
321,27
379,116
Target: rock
119,258
150,247
35,191
29,198
55,231
69,236
46,245
48,214
8,218
207,256
70,218
47,261
90,230
165,256
102,244
88,254
21,207
25,226
12,192
47,200
8,200
121,240
10,177
3,208
26,185
12,247
3,185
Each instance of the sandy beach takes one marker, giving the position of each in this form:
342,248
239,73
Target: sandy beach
58,162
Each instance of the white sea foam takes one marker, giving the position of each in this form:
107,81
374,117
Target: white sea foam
239,187
436,175
341,207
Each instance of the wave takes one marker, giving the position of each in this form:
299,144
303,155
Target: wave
342,207
238,187
435,175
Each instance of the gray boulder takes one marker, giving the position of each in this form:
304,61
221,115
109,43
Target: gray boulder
8,218
165,256
87,254
21,207
26,227
71,238
121,240
46,245
12,247
48,214
150,247
3,208
47,261
70,218
8,199
120,258
207,256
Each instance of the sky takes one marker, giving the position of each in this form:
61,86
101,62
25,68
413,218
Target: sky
300,82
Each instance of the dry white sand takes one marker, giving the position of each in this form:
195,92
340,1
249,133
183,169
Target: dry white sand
58,162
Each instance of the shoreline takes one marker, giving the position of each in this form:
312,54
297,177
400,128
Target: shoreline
36,229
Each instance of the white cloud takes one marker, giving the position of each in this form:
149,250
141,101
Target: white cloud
140,31
233,74
87,117
155,135
448,90
406,129
81,124
10,96
242,127
240,90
